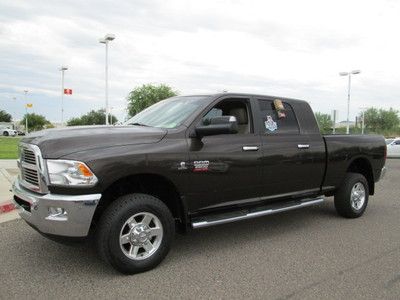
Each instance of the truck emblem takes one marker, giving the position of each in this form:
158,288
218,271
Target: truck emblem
270,124
182,166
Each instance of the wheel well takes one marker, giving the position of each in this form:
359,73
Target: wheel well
155,185
363,166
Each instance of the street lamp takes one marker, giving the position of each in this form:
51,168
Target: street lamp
26,115
107,38
62,69
354,72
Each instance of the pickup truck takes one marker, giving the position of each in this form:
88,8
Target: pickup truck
185,163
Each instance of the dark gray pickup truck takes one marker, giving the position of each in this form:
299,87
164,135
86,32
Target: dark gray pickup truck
184,163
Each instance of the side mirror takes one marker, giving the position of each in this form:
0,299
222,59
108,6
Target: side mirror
217,125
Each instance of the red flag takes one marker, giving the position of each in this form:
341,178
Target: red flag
68,91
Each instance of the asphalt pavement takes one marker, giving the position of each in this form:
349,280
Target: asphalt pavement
304,254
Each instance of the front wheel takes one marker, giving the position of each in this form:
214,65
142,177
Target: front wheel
135,233
351,199
5,133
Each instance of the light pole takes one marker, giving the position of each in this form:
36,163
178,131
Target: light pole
15,114
62,69
107,38
26,110
354,72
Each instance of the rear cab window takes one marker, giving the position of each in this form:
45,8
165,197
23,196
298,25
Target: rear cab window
277,121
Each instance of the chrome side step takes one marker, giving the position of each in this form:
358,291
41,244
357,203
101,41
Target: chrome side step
241,215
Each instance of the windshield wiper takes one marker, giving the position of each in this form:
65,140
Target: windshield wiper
140,124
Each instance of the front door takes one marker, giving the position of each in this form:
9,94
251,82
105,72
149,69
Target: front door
226,168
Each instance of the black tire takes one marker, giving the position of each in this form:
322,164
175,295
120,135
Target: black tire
112,223
343,202
5,133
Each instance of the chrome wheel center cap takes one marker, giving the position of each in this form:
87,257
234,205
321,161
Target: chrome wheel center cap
140,234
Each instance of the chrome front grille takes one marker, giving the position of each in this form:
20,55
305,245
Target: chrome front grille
30,176
32,168
28,156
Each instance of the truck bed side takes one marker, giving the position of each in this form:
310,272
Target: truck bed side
353,153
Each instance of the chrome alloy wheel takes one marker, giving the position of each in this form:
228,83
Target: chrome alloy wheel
141,236
357,196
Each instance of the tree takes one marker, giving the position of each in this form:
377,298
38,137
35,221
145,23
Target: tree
92,118
324,122
146,95
35,122
5,116
379,120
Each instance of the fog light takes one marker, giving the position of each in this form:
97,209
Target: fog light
57,214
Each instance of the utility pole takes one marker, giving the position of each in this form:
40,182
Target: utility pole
26,114
62,69
363,119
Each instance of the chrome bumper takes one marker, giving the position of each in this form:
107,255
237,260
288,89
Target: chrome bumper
44,215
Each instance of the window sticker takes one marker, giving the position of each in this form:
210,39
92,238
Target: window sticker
278,104
281,114
270,124
280,108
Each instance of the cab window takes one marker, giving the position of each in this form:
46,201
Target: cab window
238,108
274,122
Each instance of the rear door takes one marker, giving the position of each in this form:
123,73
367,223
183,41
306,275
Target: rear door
293,162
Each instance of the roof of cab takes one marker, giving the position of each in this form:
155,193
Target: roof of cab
228,94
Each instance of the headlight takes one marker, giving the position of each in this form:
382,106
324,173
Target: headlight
70,173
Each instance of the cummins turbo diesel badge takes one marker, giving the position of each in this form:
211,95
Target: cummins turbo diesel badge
200,165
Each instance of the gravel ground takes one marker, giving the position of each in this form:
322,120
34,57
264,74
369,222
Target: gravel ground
310,253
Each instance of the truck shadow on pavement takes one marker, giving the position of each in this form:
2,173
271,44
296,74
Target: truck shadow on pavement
56,259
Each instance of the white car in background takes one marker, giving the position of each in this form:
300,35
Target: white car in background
8,132
393,147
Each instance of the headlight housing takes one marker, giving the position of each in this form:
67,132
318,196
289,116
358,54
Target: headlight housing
70,173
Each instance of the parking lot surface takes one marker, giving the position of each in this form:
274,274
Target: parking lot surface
311,253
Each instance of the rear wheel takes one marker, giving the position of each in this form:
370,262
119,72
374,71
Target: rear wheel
135,233
351,199
5,133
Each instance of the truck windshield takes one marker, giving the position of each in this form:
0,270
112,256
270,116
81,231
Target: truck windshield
169,113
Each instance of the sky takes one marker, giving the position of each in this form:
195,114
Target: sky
281,48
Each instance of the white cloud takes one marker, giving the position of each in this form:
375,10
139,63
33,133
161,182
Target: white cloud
286,48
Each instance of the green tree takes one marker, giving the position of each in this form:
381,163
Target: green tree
380,120
146,95
35,122
94,117
324,122
5,116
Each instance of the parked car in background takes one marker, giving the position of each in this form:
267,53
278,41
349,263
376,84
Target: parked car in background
8,132
393,147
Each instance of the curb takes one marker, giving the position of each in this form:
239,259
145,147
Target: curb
6,175
7,207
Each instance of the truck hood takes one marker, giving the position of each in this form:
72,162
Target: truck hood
55,143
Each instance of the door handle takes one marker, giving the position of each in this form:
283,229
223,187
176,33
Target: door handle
250,148
303,146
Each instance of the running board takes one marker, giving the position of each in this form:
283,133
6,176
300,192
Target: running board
247,214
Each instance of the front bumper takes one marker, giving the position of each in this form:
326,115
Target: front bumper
38,211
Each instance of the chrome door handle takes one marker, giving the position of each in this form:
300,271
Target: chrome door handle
303,146
250,148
